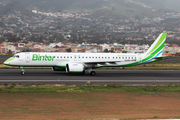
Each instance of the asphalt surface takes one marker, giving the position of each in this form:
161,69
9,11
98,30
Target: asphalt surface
129,77
3,58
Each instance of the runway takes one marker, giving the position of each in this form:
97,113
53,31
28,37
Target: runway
129,77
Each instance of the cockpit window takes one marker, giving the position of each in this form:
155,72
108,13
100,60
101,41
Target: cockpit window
15,56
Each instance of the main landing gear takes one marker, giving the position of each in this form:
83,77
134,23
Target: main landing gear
83,72
92,73
22,70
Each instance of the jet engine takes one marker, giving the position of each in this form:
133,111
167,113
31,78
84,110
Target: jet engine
74,68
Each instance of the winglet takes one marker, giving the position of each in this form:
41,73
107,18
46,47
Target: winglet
157,47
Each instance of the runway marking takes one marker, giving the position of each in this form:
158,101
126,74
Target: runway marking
127,81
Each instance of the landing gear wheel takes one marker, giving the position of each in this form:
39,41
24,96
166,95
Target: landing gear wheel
92,73
22,72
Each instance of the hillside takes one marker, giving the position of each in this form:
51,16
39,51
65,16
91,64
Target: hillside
95,8
159,4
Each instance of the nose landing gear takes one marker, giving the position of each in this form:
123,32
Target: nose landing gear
22,70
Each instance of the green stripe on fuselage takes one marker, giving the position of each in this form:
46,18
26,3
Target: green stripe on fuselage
10,59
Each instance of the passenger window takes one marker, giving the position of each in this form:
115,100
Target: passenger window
64,57
122,57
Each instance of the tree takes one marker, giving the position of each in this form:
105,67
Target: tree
124,51
111,51
106,50
68,50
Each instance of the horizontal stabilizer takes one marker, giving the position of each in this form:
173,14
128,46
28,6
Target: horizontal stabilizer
162,58
158,58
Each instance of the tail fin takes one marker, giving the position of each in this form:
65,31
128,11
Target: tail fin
157,47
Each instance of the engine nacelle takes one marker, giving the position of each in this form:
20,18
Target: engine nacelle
58,69
74,68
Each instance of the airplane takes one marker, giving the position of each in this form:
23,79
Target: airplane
79,62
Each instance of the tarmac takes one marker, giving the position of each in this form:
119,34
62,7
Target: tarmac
103,76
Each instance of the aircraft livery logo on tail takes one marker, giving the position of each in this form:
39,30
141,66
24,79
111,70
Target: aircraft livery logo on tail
157,46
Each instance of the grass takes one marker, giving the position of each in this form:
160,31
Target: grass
32,88
151,66
154,117
96,105
90,101
175,66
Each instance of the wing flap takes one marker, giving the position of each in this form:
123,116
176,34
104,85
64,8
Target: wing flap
103,62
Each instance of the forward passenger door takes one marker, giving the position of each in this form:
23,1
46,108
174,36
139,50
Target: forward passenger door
27,57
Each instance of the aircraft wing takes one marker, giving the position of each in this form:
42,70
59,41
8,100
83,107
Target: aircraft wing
106,62
102,62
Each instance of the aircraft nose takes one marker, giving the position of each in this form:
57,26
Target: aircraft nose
8,61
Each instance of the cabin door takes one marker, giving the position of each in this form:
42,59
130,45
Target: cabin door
27,57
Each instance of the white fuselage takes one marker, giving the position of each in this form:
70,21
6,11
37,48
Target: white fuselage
61,59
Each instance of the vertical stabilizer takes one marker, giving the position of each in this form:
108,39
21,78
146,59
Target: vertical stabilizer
156,48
